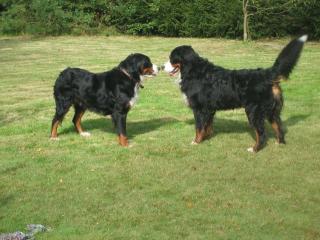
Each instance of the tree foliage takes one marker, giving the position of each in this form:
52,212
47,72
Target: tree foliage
185,18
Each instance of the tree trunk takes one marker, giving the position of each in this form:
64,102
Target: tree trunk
245,20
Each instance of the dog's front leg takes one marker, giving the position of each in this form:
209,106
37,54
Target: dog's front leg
120,121
203,124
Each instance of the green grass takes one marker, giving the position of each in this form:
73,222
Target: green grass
161,187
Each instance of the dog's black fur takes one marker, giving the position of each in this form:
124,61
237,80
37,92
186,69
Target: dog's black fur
107,93
209,88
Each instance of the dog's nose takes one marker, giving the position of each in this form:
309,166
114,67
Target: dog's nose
161,67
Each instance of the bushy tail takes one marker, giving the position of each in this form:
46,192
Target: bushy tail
288,57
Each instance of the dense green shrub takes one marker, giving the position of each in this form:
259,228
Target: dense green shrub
213,18
306,18
134,17
11,20
203,18
187,18
49,17
46,17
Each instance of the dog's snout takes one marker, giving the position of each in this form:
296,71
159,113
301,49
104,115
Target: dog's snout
161,67
155,69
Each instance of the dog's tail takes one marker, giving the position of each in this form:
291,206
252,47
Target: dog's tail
288,57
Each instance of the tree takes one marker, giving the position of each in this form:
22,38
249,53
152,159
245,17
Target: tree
245,19
265,8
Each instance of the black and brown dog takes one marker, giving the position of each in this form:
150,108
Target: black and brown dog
209,88
109,93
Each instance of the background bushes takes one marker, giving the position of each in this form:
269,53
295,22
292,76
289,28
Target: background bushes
185,18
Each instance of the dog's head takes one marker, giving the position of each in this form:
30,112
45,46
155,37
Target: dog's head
179,57
138,65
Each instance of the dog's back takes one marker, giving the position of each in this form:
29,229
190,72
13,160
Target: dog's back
69,77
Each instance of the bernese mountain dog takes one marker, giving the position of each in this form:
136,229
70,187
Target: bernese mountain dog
108,93
209,88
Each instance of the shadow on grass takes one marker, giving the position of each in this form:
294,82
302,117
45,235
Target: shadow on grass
5,200
12,170
133,128
221,125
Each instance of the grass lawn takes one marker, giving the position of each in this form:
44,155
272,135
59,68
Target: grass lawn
162,187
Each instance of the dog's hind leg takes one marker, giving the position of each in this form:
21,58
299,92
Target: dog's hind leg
79,111
256,120
62,107
260,139
277,127
274,118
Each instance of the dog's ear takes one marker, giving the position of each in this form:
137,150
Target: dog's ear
183,54
189,53
131,65
135,64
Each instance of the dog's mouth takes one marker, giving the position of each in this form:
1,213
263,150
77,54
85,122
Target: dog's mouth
172,69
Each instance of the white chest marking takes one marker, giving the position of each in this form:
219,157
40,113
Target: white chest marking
179,80
134,99
185,98
169,68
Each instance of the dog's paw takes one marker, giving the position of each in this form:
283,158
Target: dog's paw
125,145
250,150
85,134
54,138
130,145
280,143
194,143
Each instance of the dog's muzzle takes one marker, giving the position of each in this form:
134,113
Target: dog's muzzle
171,69
155,69
151,72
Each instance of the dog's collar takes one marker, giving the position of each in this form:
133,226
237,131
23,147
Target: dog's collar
128,75
125,73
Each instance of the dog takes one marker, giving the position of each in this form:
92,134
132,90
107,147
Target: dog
209,88
108,93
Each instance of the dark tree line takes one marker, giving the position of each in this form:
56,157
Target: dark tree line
180,18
